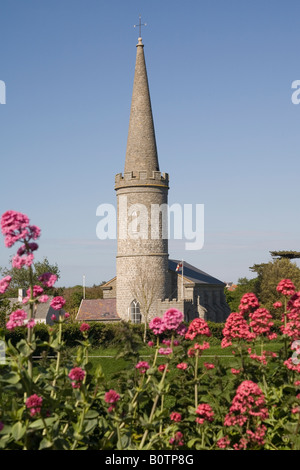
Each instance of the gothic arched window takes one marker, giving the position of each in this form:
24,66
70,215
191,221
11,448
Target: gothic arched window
135,315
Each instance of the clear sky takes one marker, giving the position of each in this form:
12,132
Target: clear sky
228,134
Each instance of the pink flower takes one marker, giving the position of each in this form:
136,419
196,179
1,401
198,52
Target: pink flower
235,371
176,417
4,284
223,442
157,325
249,401
236,328
205,412
84,327
48,279
16,318
165,351
182,366
31,323
143,366
34,404
198,326
286,287
111,397
167,342
208,365
12,221
53,317
57,302
19,261
248,303
172,319
36,290
162,367
150,344
67,315
76,375
261,323
43,299
277,304
177,440
203,346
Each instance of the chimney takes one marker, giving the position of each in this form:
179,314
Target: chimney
21,294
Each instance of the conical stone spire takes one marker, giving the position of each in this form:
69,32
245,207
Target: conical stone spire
141,153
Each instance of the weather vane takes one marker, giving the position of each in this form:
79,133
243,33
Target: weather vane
140,26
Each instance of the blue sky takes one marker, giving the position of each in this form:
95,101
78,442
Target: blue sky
220,75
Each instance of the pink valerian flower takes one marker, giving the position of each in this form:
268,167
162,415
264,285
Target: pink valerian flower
236,328
291,321
277,304
36,290
223,443
4,284
43,299
15,226
48,279
31,323
111,397
181,330
205,412
202,347
248,303
249,401
292,365
19,261
150,344
16,318
157,325
67,315
28,248
260,322
182,366
162,367
198,326
167,342
286,287
77,376
209,365
34,404
142,366
53,317
84,327
57,303
177,440
235,371
176,417
172,319
295,410
165,351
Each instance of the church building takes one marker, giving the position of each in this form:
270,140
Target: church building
147,282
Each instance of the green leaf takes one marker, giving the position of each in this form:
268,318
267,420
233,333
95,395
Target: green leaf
45,444
18,431
91,414
11,378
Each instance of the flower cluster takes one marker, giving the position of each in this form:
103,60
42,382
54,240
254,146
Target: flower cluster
177,440
19,318
34,404
4,284
205,412
111,397
176,417
248,303
171,321
142,366
291,319
77,376
48,279
236,328
57,303
261,324
248,401
15,226
198,326
286,287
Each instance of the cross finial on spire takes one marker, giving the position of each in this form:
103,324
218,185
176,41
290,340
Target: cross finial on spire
140,26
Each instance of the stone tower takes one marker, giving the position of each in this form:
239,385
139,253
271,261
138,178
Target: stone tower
142,254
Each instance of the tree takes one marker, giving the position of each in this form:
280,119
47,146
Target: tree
244,286
20,278
269,275
144,290
285,254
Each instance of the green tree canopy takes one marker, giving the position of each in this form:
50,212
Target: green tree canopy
285,254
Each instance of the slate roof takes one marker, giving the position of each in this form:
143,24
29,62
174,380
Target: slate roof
194,274
43,313
98,310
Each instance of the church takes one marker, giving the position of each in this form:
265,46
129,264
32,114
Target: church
147,282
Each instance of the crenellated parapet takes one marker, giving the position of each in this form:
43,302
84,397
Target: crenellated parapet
141,178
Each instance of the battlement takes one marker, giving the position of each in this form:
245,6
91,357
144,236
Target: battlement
141,178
